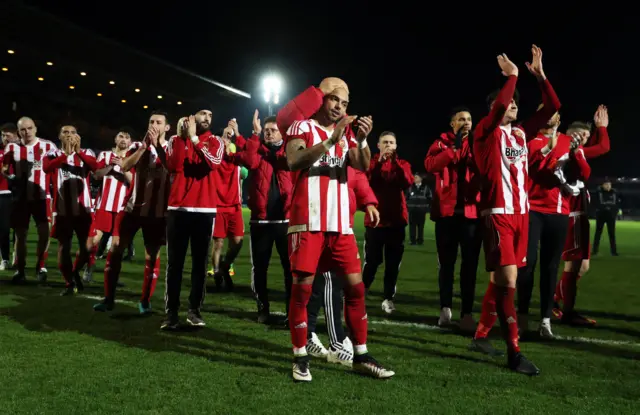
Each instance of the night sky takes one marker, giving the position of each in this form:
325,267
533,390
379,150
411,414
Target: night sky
407,67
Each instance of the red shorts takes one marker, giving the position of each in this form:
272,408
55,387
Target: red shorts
505,240
577,246
105,220
312,252
23,210
228,224
154,230
65,226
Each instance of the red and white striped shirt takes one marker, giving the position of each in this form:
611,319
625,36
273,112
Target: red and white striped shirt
4,182
114,185
26,160
320,194
148,194
70,176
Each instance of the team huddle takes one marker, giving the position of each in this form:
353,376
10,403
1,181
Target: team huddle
505,186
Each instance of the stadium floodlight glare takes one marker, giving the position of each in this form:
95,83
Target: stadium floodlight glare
272,85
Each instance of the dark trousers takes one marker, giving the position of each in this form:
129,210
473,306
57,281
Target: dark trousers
327,293
550,230
182,228
416,225
609,219
383,244
453,232
5,227
262,239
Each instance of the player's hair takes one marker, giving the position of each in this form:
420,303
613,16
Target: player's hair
9,127
270,119
579,125
455,110
391,133
492,97
70,124
164,114
127,130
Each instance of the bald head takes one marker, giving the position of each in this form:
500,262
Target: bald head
27,130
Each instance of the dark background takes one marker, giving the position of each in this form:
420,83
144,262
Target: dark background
406,66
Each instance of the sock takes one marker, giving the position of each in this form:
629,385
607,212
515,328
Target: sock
569,286
489,315
92,256
67,272
355,314
111,273
300,294
508,318
43,260
150,279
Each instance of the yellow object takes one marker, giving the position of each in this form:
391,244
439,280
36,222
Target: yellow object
232,147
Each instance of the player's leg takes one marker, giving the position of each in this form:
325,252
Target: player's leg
5,231
346,258
203,224
305,250
600,221
260,247
447,237
218,236
178,233
154,237
41,216
393,253
93,241
341,348
20,216
316,301
611,230
470,245
552,241
373,253
282,247
526,273
63,232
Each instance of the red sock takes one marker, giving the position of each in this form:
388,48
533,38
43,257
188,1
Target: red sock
488,316
569,286
508,318
355,313
111,274
92,255
67,272
43,260
150,279
300,294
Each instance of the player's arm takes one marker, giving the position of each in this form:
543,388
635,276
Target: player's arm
360,155
584,170
88,159
601,144
53,160
7,160
247,157
488,124
132,160
550,101
438,157
363,192
299,156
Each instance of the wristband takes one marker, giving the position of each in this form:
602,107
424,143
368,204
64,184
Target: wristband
195,139
362,145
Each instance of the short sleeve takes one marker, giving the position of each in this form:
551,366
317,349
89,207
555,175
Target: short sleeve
300,130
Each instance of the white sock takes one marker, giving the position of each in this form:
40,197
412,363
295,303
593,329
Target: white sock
360,349
546,321
300,351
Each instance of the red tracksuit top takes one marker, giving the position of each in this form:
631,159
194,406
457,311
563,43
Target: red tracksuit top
389,179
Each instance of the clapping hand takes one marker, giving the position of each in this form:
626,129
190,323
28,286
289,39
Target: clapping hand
257,128
601,117
365,125
535,66
508,68
575,142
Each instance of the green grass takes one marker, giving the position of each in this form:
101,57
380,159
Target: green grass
58,356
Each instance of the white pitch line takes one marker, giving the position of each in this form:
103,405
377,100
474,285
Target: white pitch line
430,327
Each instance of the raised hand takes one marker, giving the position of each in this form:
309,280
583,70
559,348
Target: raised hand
508,68
338,132
257,127
535,66
330,84
76,143
234,127
365,125
601,117
387,154
152,136
227,133
191,125
115,161
575,142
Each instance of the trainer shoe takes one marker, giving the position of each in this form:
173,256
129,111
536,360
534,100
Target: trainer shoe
4,265
520,364
78,280
144,308
484,346
341,353
367,365
71,290
445,317
301,371
104,306
388,306
575,319
41,275
88,274
195,319
315,347
19,278
170,323
545,329
210,273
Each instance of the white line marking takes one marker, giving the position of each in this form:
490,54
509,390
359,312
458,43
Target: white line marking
429,327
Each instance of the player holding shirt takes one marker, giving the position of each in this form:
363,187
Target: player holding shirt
502,159
70,171
145,208
318,152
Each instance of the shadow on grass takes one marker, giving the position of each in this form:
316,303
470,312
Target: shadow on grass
39,311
